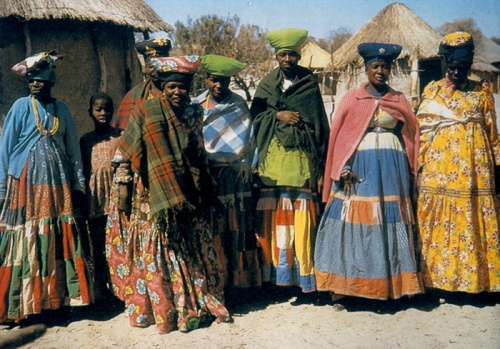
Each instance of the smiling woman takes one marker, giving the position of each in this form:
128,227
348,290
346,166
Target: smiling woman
174,277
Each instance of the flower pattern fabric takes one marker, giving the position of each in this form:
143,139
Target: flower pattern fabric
458,206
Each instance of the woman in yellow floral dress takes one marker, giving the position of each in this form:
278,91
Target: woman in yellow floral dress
458,208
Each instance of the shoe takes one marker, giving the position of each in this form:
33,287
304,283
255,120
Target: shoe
306,298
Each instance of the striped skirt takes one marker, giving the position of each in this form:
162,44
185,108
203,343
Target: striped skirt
42,264
366,243
235,222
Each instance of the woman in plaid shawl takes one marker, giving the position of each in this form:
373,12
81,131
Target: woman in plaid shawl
175,273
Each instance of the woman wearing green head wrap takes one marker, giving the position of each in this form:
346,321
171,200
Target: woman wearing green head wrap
291,131
230,146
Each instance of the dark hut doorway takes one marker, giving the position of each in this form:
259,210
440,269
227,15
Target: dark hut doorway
429,70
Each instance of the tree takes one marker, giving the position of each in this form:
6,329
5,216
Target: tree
335,39
252,48
465,25
496,40
215,35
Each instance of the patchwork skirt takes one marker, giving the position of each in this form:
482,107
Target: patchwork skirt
366,243
42,259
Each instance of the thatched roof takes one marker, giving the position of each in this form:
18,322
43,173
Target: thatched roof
480,64
395,24
314,57
487,49
132,13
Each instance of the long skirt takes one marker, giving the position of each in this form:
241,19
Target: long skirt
169,268
366,243
42,263
286,230
235,222
459,212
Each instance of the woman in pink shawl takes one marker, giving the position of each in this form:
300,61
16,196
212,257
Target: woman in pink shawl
365,241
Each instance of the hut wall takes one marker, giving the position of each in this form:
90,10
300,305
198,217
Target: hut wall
96,57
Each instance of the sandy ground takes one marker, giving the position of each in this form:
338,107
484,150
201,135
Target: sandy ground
270,321
266,319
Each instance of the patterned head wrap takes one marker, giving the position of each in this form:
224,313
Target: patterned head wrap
375,51
457,46
178,68
221,65
287,39
39,66
159,47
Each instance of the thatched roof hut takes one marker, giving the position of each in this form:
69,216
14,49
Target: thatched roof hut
96,38
418,63
314,57
396,24
317,59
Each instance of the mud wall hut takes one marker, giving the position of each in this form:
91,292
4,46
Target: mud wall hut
96,38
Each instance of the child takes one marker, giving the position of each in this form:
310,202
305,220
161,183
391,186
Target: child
98,148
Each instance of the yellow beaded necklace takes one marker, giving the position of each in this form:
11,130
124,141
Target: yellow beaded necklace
38,122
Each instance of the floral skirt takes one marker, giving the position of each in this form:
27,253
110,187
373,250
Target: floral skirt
168,268
459,212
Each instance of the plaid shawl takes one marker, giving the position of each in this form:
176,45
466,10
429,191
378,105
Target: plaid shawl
144,90
227,129
303,96
167,151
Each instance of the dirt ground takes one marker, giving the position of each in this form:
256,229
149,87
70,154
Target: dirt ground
270,321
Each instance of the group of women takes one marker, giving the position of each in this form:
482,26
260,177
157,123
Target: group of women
411,200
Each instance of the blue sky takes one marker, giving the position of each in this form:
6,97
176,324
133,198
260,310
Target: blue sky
322,16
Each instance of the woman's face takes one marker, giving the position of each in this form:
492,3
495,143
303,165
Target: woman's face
378,73
40,89
458,72
176,93
218,85
288,60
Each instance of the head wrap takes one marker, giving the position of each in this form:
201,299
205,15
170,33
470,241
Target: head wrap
375,51
287,39
178,68
159,47
221,65
39,66
457,46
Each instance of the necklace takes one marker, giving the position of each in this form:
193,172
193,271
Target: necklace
38,122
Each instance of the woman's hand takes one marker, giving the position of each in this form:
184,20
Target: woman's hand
124,199
288,116
350,179
244,172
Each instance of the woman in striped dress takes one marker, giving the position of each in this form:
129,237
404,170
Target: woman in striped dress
365,241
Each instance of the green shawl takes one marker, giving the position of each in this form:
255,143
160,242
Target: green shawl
303,96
